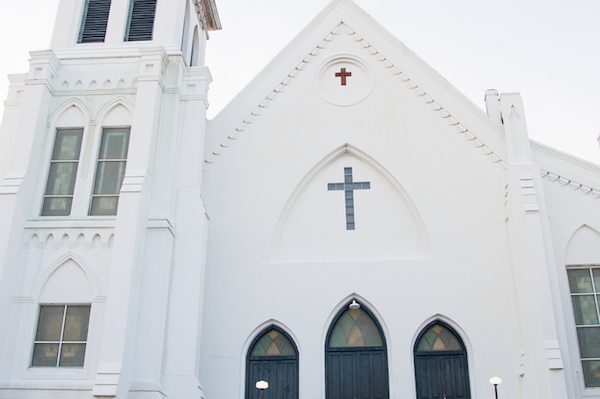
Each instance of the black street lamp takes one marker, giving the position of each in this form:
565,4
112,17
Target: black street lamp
495,381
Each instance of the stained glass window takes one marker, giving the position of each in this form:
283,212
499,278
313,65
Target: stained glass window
584,283
273,343
439,338
61,336
110,171
60,186
355,328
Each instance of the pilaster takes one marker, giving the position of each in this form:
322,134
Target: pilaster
541,359
17,187
187,284
127,266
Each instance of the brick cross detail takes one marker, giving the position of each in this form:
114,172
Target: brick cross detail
348,186
343,74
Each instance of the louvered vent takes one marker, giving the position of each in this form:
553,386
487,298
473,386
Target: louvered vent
95,19
141,20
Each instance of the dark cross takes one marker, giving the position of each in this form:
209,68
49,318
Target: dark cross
343,74
348,186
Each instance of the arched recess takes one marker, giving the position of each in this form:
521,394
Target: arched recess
273,357
71,114
584,246
356,362
66,281
195,51
583,276
313,225
441,363
185,37
116,113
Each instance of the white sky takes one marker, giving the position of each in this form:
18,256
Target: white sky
549,50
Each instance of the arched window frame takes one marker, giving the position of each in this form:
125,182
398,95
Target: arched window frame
249,385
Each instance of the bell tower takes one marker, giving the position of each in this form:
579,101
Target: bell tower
105,141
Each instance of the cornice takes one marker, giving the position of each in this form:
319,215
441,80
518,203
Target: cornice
571,184
410,84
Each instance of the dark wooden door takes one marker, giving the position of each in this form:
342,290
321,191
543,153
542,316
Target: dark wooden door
281,373
357,374
442,376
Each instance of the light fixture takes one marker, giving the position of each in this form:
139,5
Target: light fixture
495,381
262,385
354,305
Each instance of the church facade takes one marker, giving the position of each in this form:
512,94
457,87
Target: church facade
349,226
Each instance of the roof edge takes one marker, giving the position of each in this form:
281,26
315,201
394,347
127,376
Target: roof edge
208,14
566,157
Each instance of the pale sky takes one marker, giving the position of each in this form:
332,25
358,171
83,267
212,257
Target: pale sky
549,50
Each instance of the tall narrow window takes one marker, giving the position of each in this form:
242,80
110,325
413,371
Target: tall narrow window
356,363
272,357
61,336
141,20
94,22
60,186
110,171
584,283
441,369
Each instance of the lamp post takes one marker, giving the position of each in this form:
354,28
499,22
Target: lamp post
495,381
262,386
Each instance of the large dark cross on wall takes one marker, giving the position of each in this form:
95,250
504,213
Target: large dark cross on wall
348,187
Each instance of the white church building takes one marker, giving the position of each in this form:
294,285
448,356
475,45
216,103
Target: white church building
350,226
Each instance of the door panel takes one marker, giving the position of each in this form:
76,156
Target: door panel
442,375
282,376
357,375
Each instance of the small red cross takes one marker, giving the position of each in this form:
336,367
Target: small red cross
343,74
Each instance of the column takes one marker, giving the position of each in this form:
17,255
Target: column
114,371
541,361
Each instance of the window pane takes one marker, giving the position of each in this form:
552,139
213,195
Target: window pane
67,145
273,343
591,373
355,328
589,341
76,323
60,206
438,338
44,355
585,310
72,355
597,279
49,323
114,144
109,177
104,206
61,179
580,281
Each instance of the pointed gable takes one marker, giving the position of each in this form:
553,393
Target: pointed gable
344,19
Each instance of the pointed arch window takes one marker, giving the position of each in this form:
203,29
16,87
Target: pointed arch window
584,284
441,368
272,357
356,356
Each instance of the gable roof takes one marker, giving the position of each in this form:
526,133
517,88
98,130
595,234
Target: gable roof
337,17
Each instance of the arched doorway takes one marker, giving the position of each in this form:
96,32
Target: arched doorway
441,369
356,356
272,357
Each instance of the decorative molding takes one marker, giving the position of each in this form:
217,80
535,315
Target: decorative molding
571,184
527,186
69,238
340,29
